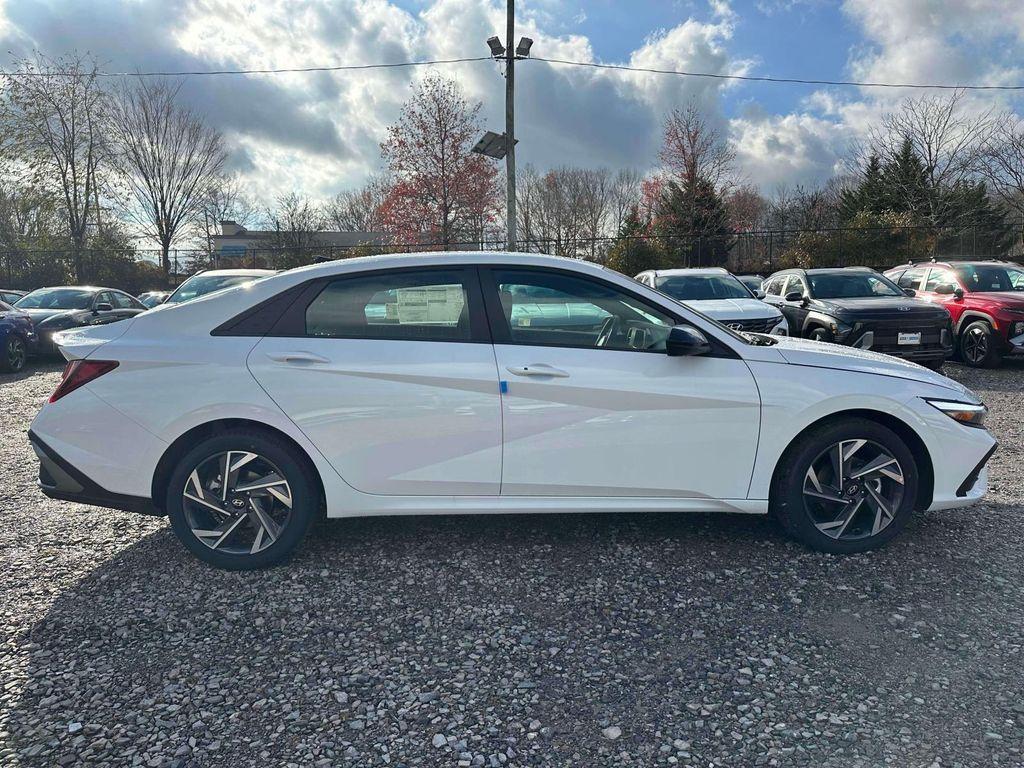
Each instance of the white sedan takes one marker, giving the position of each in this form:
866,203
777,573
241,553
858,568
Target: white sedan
719,294
489,383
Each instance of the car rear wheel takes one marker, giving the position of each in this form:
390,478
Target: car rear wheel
848,487
978,346
821,334
14,355
242,499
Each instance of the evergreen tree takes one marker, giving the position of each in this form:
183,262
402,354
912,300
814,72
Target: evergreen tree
632,251
692,222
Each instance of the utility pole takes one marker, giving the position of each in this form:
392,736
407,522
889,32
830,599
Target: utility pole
510,124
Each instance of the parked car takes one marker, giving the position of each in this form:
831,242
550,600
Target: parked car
17,338
212,280
71,306
242,418
152,299
718,294
753,282
9,295
859,307
984,298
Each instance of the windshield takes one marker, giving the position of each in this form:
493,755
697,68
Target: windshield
200,285
56,298
987,278
851,285
701,287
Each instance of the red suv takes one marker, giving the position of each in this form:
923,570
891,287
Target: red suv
984,298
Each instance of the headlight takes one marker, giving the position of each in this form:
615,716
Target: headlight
781,328
966,413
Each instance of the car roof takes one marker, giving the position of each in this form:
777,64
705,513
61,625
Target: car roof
241,272
956,263
689,271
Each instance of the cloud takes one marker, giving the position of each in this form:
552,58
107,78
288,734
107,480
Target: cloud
319,133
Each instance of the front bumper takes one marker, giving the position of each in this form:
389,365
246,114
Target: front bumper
59,479
936,343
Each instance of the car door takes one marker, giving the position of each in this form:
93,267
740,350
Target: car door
938,288
126,306
101,315
592,405
392,376
795,311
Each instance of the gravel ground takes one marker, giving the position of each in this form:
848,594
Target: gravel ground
590,640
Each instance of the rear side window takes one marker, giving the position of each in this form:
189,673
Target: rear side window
417,306
774,286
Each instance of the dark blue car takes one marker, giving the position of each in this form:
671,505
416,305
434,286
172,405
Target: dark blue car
17,338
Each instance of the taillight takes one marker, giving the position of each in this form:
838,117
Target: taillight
80,372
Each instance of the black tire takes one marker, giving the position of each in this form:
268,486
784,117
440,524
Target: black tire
14,355
292,466
788,500
821,334
978,346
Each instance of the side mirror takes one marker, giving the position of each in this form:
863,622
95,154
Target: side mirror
909,292
686,341
103,307
759,294
794,296
958,292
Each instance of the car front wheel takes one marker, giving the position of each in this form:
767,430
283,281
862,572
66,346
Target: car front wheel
978,346
242,499
14,355
849,486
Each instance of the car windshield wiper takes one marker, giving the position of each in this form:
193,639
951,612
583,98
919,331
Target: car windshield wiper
759,339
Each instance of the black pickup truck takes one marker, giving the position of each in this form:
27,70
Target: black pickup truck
859,307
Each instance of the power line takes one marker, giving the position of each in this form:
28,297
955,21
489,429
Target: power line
765,79
276,71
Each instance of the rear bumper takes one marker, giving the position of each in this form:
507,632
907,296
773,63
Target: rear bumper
59,479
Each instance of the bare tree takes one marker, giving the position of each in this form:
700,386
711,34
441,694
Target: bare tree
56,118
747,209
224,200
695,150
1001,160
625,196
359,210
168,160
944,133
297,223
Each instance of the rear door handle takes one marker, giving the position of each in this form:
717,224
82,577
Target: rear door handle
538,369
299,358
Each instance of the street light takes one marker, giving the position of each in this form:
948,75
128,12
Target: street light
523,49
497,49
492,145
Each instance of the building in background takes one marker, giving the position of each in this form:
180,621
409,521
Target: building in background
238,246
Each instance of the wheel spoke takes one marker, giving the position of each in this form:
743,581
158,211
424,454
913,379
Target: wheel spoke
205,503
264,521
266,481
220,533
877,464
836,528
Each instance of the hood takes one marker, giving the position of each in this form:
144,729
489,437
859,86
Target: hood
819,354
41,315
734,309
884,307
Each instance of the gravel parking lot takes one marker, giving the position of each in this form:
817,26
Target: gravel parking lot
590,640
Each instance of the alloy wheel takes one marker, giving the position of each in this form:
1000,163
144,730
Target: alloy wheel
15,354
237,502
975,345
853,489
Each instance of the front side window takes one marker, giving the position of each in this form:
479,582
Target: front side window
551,308
702,287
429,305
851,285
937,277
988,278
774,286
796,284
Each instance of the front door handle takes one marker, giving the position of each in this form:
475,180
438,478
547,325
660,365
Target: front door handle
299,358
538,369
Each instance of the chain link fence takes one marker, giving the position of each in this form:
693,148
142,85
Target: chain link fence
760,252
